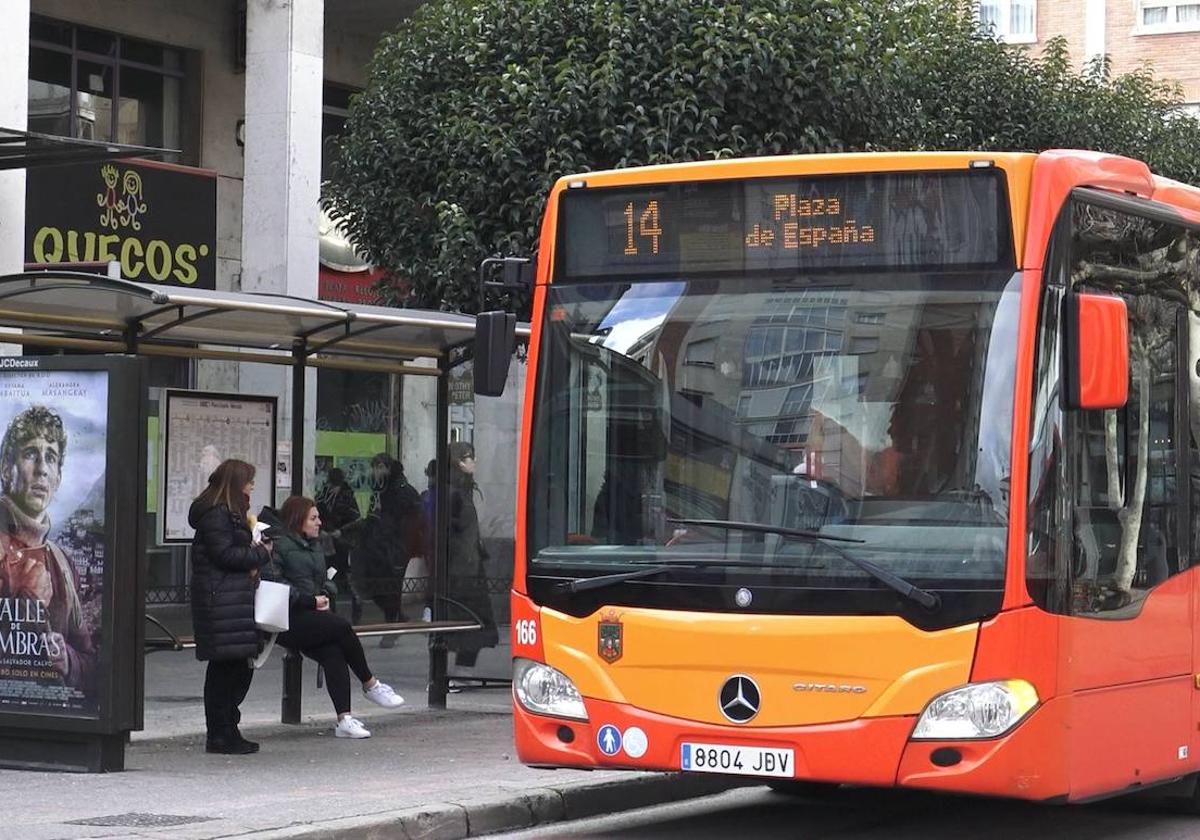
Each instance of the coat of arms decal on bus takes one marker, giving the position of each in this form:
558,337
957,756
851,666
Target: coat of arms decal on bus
610,644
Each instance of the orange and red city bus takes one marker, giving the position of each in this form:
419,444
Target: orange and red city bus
876,469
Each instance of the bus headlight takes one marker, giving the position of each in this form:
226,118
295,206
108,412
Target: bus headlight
546,691
982,710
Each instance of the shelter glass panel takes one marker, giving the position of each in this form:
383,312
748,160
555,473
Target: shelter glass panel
357,429
483,452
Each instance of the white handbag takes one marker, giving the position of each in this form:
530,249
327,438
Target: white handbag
265,654
271,606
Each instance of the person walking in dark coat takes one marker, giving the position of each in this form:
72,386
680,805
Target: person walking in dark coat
225,570
316,631
340,515
392,534
468,575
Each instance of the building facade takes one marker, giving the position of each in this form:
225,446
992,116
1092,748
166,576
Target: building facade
249,90
1132,33
249,93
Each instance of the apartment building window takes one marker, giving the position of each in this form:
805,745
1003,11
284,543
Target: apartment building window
98,85
1159,16
1012,21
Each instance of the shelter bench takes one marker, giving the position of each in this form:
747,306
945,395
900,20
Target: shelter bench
293,662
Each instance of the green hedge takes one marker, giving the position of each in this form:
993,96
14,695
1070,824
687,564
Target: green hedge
474,107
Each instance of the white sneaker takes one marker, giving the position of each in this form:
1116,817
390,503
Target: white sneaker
381,694
351,727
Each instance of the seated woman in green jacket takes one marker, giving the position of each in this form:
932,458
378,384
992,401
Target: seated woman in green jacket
313,629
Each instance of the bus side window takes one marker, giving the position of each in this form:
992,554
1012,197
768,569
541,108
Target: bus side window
1193,374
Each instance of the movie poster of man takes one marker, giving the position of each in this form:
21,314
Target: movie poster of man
52,538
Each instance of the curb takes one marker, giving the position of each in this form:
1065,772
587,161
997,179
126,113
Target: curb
525,809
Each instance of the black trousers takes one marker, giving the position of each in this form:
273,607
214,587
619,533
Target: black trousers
328,639
225,685
389,605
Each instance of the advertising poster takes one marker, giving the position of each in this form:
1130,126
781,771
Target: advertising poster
201,431
283,465
53,457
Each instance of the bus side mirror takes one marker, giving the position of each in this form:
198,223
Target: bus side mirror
1096,357
495,340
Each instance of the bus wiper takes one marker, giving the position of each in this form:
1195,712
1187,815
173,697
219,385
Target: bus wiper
928,600
730,525
584,584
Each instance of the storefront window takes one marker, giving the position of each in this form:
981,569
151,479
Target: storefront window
93,101
50,92
101,86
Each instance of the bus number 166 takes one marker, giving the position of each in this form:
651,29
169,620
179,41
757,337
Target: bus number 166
526,630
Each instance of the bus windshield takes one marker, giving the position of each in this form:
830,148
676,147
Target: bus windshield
874,408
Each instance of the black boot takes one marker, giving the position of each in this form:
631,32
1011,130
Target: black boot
247,746
229,742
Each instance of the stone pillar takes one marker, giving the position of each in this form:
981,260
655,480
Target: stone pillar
282,187
281,190
14,113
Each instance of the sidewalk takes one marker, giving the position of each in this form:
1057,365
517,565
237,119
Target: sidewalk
425,773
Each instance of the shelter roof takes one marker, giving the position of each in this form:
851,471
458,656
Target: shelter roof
75,306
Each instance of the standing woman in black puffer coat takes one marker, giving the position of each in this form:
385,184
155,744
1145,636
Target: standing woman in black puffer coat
225,570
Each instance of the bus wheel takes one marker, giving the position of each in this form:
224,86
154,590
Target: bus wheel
1181,796
808,790
1190,801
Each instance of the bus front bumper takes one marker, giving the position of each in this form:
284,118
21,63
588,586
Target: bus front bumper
1027,763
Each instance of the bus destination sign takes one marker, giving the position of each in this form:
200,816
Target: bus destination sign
899,220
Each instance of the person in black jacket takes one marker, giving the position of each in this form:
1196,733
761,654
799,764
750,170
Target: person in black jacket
314,629
225,570
467,560
340,517
393,533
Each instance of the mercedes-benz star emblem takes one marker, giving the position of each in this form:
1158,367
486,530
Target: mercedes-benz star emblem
740,699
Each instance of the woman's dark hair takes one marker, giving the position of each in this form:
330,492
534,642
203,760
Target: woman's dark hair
294,511
460,451
227,486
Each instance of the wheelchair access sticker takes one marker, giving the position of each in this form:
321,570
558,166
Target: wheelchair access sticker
608,739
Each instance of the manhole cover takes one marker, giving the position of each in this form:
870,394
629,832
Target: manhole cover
140,820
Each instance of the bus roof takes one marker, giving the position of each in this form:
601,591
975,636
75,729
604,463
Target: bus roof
1183,197
765,167
1087,168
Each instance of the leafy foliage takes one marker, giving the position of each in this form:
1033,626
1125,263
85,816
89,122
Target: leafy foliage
475,107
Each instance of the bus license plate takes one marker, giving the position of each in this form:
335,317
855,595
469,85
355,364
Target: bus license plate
739,761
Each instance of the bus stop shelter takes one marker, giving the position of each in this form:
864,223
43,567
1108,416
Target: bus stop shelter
94,314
